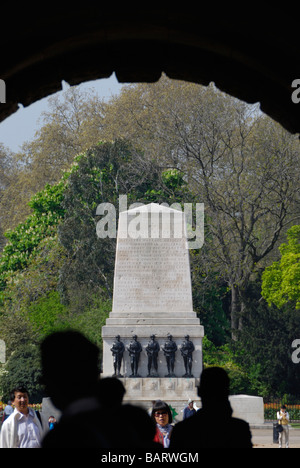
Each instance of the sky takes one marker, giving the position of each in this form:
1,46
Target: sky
22,125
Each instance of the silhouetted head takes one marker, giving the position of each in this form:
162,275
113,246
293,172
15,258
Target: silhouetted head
70,367
134,426
214,385
110,392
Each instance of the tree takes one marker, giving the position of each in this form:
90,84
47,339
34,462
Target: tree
6,169
250,193
23,367
265,344
210,294
71,126
25,240
281,280
239,163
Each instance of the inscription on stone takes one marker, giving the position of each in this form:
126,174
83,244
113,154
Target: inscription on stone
153,274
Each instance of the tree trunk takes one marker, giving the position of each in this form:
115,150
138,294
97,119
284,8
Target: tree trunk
235,310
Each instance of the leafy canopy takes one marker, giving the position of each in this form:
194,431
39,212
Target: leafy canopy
281,280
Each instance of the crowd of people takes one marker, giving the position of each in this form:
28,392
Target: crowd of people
95,416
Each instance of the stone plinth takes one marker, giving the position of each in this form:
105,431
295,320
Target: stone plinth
152,296
247,407
148,389
175,391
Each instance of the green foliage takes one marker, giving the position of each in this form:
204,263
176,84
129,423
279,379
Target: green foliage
209,296
243,378
281,280
25,239
45,313
265,344
23,367
222,357
173,189
90,321
48,315
27,287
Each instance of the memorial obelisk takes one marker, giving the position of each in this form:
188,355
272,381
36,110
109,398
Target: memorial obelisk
153,308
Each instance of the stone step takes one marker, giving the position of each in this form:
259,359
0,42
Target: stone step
152,321
153,314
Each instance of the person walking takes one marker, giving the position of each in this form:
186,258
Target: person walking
283,418
213,425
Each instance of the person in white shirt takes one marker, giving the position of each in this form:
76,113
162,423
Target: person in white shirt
283,418
22,429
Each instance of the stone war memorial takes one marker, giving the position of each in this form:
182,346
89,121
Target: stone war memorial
152,339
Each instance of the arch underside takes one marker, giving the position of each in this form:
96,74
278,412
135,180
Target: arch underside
250,55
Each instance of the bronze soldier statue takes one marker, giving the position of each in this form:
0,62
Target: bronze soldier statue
134,349
187,348
169,350
152,350
117,350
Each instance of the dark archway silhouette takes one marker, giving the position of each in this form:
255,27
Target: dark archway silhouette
248,53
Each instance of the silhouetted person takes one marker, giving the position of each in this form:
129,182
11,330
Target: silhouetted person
126,426
70,373
212,426
110,392
92,412
134,428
